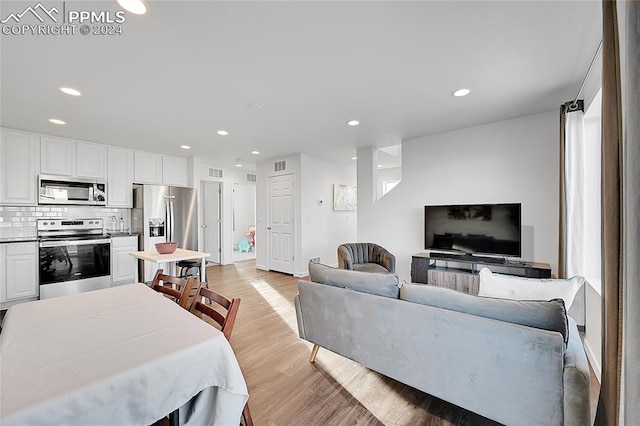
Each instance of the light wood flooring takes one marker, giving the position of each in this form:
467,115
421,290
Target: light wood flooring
286,389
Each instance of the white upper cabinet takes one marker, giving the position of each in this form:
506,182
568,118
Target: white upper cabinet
57,156
120,177
175,170
158,169
91,160
148,168
19,167
25,155
66,157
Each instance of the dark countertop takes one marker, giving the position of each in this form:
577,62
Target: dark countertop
9,240
18,240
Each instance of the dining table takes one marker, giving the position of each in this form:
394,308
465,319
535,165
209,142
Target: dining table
119,356
172,258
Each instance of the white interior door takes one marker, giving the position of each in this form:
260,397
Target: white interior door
280,224
212,223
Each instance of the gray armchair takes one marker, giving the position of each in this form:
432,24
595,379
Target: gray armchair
365,257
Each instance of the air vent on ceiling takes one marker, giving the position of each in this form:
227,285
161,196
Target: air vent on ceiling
216,173
251,177
280,166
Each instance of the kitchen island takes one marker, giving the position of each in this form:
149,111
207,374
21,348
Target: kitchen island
178,255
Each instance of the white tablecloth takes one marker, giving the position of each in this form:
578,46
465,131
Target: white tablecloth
119,356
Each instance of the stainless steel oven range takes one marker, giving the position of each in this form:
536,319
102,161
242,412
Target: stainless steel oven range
74,256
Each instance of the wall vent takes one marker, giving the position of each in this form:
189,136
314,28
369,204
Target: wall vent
216,173
251,177
280,166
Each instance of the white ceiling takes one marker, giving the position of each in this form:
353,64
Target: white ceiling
187,69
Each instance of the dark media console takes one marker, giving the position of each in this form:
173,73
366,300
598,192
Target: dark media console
468,257
434,268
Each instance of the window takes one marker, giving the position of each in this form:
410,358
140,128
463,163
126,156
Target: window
592,169
388,185
388,168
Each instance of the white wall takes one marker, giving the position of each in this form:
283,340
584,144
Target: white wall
509,161
318,229
323,229
230,176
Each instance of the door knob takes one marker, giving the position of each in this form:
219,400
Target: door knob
268,228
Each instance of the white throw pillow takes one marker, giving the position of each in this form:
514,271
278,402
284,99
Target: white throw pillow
521,288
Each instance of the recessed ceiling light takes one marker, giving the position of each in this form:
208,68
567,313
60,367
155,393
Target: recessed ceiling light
137,7
222,132
379,166
70,91
353,122
57,121
238,165
255,152
461,92
354,158
185,147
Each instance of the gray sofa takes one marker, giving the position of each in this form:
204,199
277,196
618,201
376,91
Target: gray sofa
515,362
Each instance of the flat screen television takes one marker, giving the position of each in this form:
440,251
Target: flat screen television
474,228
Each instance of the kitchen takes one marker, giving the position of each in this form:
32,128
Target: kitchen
72,216
27,220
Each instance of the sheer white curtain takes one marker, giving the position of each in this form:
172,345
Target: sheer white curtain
574,193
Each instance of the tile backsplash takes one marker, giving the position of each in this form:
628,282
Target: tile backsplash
16,221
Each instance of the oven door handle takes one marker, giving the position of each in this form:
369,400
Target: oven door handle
73,243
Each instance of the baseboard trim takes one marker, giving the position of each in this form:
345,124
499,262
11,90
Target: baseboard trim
593,360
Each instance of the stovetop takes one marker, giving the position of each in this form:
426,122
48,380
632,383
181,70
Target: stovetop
73,237
65,229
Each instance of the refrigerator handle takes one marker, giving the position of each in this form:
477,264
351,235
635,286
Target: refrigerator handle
171,213
168,199
168,220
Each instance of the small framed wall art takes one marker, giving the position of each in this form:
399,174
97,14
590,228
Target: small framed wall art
345,197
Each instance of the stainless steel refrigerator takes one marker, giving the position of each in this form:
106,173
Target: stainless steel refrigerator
164,213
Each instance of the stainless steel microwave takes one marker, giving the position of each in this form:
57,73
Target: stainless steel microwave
70,190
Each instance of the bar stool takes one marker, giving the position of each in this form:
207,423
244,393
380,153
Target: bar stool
186,265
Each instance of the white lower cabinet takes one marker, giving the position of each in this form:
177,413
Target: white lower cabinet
124,267
18,271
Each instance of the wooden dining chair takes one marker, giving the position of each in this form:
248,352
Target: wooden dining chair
223,311
176,288
208,302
